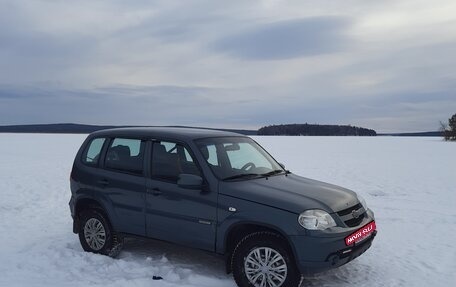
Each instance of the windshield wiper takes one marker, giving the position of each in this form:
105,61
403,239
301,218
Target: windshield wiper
242,175
273,172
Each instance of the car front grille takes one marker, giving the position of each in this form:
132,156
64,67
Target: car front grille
349,210
355,221
347,215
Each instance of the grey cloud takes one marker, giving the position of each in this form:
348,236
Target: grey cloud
160,91
413,97
286,39
20,37
211,64
126,104
38,44
191,21
30,54
194,105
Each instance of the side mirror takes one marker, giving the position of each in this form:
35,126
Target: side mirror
282,165
190,181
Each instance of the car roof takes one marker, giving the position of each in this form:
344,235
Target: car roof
176,133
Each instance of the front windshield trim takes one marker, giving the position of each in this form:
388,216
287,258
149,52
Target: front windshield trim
239,139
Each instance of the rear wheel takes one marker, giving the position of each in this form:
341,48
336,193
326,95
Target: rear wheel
96,234
263,259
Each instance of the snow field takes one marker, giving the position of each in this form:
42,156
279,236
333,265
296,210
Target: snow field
410,183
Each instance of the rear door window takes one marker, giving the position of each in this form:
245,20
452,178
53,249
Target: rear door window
126,155
92,153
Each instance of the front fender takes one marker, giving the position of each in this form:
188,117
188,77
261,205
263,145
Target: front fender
248,212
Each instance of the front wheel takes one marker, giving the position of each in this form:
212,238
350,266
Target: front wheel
263,259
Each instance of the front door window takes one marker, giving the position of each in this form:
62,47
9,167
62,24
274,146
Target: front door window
169,160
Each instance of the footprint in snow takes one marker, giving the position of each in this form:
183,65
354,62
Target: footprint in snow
377,193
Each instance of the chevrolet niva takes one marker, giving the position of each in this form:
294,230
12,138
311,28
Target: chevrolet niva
216,191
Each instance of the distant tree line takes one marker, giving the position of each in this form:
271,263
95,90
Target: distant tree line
315,130
449,131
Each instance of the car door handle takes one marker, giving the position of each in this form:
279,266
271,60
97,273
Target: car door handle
103,182
155,191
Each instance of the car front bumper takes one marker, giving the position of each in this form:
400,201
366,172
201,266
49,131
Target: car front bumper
316,254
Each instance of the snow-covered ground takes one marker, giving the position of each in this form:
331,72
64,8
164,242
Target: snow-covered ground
410,183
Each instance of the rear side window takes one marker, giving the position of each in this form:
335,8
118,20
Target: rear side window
92,153
125,155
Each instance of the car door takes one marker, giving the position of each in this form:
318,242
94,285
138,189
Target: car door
176,214
123,184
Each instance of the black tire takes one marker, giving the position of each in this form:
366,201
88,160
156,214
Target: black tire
110,239
269,240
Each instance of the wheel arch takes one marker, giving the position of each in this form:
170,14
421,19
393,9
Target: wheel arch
239,230
85,203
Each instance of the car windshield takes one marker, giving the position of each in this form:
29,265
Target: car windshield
237,158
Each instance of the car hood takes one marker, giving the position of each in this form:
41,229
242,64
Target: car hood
292,193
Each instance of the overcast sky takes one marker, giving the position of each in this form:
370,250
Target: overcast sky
386,65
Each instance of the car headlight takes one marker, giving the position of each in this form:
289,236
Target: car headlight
362,201
316,219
